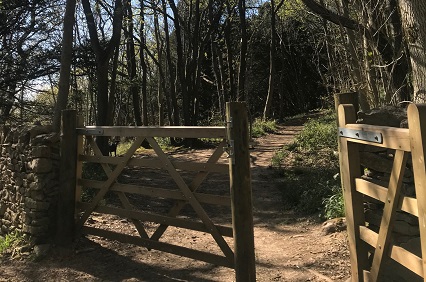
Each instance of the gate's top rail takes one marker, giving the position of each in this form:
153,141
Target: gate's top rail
155,131
390,137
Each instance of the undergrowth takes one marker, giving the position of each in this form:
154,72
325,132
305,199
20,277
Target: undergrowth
11,242
309,166
261,127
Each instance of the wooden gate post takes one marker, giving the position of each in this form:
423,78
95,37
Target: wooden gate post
350,169
241,197
417,125
67,179
350,98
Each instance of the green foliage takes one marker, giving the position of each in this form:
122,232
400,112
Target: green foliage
318,134
11,241
334,205
311,163
262,127
123,147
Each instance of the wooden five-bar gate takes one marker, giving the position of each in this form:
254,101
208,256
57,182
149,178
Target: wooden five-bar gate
74,213
370,250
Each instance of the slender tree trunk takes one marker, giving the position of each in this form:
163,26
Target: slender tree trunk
113,86
181,66
243,52
66,59
272,59
174,108
161,81
229,60
131,65
144,67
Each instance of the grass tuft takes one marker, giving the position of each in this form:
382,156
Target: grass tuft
262,127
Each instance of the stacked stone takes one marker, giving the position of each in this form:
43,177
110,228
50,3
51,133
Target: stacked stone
29,173
377,163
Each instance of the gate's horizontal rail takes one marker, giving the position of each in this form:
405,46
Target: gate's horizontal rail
172,221
392,137
158,192
165,247
399,254
157,164
407,204
156,131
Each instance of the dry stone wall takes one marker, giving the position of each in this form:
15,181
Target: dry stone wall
29,180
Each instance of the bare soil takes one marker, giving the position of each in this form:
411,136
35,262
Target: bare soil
288,246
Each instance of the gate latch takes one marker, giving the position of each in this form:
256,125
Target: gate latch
230,151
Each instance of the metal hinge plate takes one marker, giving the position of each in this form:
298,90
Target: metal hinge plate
93,132
230,151
369,136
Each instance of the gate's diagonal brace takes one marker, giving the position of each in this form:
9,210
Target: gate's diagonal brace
111,179
192,200
124,200
198,179
389,213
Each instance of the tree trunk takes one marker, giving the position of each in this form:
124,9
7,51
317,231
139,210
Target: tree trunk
180,73
113,86
229,58
144,68
269,97
66,59
131,66
414,23
243,52
103,56
175,107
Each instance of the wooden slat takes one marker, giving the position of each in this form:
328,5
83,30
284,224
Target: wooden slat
123,198
157,164
399,254
158,192
156,218
159,131
193,186
164,247
378,192
393,137
111,179
389,214
191,199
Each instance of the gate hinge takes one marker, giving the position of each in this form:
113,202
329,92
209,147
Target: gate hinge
88,131
370,136
229,123
230,151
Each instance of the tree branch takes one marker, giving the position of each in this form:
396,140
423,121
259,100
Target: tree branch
332,16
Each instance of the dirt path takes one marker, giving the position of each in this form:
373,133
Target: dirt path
288,247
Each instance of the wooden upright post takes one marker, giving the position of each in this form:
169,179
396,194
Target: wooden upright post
350,169
417,125
67,174
350,98
241,197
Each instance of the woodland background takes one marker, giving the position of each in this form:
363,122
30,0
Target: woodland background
165,62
